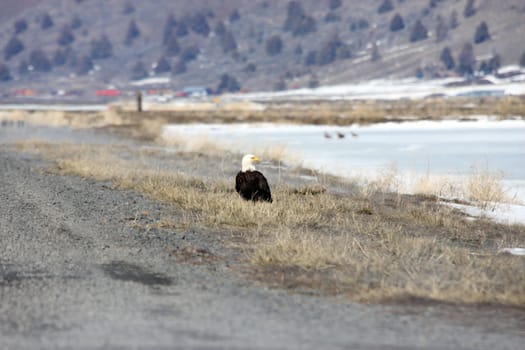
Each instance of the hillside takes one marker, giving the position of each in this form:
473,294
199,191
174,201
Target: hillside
11,9
250,45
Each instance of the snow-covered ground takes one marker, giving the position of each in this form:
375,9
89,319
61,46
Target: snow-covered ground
442,153
503,213
393,90
405,88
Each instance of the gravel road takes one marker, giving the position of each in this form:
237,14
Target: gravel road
79,270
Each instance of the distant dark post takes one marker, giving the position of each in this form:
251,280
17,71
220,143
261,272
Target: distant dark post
139,101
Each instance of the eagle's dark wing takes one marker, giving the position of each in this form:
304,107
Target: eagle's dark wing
263,189
252,185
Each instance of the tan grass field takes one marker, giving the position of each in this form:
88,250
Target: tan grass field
371,245
147,124
344,112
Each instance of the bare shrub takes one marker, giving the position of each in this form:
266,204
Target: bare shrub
485,188
439,186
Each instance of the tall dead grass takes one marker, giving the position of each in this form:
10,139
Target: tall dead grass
341,112
373,249
203,143
485,188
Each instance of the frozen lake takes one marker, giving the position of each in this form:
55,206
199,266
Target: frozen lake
446,148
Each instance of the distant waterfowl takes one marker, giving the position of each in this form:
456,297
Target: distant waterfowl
354,134
327,135
250,183
340,135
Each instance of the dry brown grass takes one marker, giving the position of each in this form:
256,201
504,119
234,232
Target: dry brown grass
370,249
482,187
205,144
194,143
439,186
148,123
485,188
337,112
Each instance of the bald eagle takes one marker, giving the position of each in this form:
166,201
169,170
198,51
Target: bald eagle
250,183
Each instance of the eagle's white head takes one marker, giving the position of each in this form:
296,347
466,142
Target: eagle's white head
249,161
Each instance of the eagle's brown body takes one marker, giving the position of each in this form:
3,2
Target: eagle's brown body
252,185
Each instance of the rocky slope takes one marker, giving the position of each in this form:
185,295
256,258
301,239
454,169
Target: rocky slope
251,45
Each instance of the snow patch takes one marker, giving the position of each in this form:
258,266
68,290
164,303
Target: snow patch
502,213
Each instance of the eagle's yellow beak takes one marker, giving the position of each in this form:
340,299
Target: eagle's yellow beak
256,159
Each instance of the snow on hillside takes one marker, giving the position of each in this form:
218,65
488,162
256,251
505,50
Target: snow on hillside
408,88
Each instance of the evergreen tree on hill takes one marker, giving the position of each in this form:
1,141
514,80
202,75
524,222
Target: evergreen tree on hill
470,9
397,23
328,52
162,66
234,16
220,28
228,83
76,22
386,6
454,22
13,47
46,22
22,67
190,53
83,65
494,63
139,71
66,36
172,45
311,58
491,66
419,32
20,26
5,75
466,60
101,48
360,24
294,15
250,68
39,60
228,42
132,33
199,24
332,17
182,29
441,29
297,22
169,26
274,45
60,56
447,59
375,55
179,67
482,33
